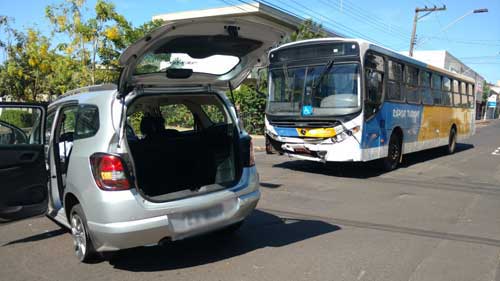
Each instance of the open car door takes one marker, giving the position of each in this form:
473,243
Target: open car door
23,172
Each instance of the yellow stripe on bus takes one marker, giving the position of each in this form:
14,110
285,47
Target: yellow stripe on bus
316,132
437,121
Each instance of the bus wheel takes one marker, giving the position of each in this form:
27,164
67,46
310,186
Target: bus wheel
452,141
269,146
393,153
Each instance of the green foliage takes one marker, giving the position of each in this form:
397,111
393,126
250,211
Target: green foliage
177,115
486,91
251,107
307,30
135,121
18,118
88,55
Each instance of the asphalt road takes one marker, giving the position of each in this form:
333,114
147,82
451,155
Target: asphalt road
435,218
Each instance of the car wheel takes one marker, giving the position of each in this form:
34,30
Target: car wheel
84,249
452,141
393,153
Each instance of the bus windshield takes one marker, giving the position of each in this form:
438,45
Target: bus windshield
319,90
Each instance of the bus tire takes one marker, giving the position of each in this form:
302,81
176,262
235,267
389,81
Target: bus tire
394,153
269,146
452,141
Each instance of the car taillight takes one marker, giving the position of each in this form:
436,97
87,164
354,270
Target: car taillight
251,156
109,172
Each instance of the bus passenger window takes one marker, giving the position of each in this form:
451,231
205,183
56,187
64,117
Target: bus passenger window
456,94
447,100
436,89
470,93
463,95
411,77
425,87
374,77
395,80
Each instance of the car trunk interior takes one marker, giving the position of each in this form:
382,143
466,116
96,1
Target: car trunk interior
182,145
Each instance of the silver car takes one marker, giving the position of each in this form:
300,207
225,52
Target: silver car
161,156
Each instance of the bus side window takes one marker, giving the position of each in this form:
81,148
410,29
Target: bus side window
395,75
436,89
411,79
470,93
447,91
374,80
456,94
425,87
463,95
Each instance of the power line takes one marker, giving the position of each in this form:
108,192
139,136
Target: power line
467,42
332,22
364,19
375,18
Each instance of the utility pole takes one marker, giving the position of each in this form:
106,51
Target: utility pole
415,20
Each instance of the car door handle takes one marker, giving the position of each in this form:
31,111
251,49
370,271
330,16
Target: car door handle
28,157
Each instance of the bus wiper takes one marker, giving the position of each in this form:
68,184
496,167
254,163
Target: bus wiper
327,68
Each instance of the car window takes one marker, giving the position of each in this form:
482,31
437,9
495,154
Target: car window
19,125
214,113
48,126
177,117
87,122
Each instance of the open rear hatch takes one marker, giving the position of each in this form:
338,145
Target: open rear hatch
184,142
198,52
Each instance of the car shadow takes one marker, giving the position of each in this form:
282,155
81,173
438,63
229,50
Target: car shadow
260,230
38,237
364,170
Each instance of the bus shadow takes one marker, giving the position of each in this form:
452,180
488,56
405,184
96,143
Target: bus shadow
364,170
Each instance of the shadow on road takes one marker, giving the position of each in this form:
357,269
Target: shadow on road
38,237
259,231
364,170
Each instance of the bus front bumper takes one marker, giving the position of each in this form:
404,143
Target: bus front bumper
345,151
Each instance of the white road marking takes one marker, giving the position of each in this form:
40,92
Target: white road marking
361,274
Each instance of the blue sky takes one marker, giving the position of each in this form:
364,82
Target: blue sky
475,39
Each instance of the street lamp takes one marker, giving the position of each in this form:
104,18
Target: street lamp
476,11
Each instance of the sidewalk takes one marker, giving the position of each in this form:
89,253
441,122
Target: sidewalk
259,143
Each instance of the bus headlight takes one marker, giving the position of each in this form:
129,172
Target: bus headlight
345,134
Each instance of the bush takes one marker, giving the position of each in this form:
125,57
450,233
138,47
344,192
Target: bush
252,107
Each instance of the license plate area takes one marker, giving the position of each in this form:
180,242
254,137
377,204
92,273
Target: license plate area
197,219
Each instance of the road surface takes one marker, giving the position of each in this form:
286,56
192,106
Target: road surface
435,218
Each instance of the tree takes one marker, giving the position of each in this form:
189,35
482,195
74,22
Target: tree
307,30
97,41
486,91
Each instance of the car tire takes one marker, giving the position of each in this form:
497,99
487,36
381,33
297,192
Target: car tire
391,161
83,247
452,141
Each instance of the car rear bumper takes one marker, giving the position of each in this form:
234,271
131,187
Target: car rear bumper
150,231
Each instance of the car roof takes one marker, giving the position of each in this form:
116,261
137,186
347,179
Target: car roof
96,94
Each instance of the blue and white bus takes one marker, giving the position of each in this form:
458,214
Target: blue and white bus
336,99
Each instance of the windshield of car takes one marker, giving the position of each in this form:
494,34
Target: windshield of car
314,90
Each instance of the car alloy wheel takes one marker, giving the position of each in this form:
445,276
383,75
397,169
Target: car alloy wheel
79,236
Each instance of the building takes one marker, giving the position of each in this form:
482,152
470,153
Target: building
443,59
492,109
